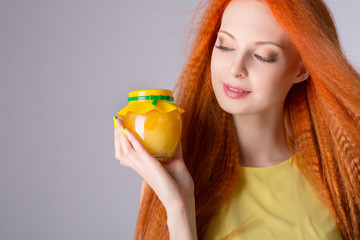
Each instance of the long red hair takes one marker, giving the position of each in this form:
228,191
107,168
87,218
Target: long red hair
322,120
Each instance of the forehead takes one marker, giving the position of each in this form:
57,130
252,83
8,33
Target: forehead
253,20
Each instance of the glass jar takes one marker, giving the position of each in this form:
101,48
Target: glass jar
155,119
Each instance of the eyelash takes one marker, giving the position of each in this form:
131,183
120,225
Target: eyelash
226,49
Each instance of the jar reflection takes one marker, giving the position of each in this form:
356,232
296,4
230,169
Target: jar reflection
159,132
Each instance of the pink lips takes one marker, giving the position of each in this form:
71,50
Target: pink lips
234,94
237,88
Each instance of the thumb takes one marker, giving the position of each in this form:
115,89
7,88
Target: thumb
177,162
178,153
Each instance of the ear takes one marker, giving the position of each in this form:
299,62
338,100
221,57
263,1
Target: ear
302,73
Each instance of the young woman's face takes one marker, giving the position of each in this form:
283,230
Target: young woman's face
252,54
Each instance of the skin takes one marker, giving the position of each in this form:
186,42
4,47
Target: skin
171,181
259,116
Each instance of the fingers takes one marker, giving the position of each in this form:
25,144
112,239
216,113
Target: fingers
123,148
119,149
141,157
169,182
119,123
131,138
130,151
115,120
123,138
135,142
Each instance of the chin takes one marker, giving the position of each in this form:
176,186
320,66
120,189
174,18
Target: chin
232,108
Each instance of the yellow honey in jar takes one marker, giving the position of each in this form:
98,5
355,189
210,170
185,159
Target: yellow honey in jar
153,116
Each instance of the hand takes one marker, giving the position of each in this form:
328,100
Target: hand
171,181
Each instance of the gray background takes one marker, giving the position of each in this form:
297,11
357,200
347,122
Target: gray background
66,68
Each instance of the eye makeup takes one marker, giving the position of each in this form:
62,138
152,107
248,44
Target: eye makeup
270,58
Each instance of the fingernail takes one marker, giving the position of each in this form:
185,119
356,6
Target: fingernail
115,121
123,130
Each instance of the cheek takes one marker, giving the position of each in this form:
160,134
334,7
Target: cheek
269,79
215,69
218,67
274,82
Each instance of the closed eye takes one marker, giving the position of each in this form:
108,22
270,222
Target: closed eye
264,59
227,49
222,48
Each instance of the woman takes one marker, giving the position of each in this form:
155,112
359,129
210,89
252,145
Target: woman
266,84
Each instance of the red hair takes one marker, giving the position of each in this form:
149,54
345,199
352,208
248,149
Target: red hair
322,120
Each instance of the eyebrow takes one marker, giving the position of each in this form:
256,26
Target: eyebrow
256,43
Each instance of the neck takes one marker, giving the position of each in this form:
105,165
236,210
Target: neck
262,138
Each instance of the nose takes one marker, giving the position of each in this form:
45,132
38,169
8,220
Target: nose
238,66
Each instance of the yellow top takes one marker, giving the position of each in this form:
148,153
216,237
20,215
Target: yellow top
280,204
